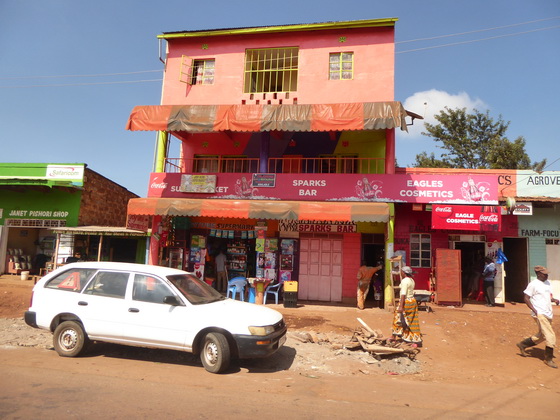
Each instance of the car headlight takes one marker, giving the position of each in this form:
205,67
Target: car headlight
268,329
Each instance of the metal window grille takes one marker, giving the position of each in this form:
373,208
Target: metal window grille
420,250
35,223
341,66
271,70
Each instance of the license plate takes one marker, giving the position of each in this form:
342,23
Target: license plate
282,341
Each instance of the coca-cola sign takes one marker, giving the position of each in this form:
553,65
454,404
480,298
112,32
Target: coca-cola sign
463,217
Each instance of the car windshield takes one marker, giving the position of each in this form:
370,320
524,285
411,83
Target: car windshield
195,290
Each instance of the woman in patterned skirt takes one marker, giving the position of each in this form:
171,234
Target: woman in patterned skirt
405,322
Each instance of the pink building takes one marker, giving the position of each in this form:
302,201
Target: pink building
284,140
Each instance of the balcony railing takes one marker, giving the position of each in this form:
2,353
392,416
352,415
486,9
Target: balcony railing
296,165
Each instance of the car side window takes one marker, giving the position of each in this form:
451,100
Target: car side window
73,280
108,283
149,289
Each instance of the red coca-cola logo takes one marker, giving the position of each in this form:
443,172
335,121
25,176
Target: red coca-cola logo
443,209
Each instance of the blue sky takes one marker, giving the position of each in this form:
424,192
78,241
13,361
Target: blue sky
71,71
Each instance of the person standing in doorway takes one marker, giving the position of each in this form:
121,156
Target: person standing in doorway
538,297
488,275
405,323
364,276
221,273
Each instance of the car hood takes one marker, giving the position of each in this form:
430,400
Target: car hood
233,312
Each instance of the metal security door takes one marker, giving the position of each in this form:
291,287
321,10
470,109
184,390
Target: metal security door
320,276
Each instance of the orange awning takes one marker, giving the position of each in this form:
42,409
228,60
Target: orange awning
262,209
257,118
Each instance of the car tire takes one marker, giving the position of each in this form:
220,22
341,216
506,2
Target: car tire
215,354
70,339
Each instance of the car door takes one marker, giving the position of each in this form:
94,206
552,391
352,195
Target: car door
150,320
104,306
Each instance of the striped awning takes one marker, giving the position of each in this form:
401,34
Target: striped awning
262,209
257,118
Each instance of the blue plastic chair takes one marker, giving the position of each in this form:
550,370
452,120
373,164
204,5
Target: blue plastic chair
237,285
273,289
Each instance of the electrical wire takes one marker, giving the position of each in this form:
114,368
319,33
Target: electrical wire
476,40
83,84
80,75
478,31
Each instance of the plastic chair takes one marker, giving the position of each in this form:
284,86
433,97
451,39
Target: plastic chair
273,289
237,285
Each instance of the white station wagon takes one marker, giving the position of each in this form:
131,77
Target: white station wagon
150,306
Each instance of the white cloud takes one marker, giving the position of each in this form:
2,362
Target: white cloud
431,102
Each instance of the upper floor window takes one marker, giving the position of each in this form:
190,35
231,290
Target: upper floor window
341,66
271,70
197,72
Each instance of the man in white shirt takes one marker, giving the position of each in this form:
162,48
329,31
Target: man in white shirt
538,297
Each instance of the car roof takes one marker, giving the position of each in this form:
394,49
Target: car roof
146,268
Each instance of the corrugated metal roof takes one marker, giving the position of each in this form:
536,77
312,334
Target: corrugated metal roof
364,23
100,230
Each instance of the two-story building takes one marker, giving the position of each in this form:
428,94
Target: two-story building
279,130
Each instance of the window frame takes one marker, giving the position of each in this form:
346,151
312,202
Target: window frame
189,73
151,284
341,70
262,67
95,288
423,243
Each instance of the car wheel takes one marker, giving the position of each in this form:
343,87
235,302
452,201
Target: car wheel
69,339
215,355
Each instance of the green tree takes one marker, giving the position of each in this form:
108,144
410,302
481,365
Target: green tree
474,141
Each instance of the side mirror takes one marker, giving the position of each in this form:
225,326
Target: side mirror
171,300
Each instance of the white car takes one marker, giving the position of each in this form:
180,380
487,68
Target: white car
150,306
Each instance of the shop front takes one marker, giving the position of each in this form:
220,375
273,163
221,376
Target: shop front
276,241
446,243
34,198
446,246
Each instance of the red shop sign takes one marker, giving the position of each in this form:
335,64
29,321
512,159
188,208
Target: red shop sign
454,217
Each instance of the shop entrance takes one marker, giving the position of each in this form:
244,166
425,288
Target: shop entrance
373,255
472,264
516,268
320,269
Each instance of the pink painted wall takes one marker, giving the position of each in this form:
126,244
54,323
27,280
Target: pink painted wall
373,66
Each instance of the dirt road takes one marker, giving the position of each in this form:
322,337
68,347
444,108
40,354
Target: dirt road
468,365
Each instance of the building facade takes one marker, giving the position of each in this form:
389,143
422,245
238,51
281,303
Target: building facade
38,198
521,232
278,129
276,146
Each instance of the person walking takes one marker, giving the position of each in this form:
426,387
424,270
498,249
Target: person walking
488,275
364,276
538,297
405,322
